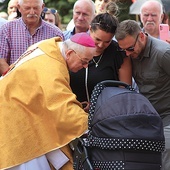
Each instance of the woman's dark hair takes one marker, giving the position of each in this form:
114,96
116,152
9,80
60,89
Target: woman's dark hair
105,22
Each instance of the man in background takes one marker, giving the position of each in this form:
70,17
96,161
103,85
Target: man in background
151,15
83,13
18,35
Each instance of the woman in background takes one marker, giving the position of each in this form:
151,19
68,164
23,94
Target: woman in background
51,16
102,4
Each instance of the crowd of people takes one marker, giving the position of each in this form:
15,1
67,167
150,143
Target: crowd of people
48,75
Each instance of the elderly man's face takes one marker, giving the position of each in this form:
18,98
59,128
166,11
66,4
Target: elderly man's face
151,17
76,60
82,15
31,11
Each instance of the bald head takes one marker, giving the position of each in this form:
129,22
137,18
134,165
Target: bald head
151,14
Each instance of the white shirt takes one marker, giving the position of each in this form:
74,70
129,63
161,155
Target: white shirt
2,21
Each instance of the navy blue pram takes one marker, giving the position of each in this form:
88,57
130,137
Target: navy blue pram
125,131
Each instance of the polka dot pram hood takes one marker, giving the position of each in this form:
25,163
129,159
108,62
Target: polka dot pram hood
125,131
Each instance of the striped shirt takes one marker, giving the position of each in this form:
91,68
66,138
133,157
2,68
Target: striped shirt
15,38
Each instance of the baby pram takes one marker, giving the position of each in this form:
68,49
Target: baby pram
125,131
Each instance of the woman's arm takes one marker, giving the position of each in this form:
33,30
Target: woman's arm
125,72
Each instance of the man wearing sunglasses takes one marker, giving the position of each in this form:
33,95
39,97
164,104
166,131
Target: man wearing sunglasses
151,62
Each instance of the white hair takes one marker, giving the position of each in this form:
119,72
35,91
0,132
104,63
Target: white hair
155,3
88,1
74,46
20,2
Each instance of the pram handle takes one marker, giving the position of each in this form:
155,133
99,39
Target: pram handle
114,83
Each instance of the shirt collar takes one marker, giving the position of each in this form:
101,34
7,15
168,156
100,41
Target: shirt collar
73,31
42,23
147,49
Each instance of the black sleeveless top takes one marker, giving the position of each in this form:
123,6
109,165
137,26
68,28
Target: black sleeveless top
107,69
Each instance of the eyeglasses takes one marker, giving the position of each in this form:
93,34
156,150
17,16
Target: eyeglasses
131,49
53,11
82,61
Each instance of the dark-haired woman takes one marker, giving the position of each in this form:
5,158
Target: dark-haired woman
109,63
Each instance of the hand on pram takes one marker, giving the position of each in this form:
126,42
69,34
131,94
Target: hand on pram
85,106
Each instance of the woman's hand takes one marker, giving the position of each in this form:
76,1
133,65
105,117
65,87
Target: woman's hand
86,106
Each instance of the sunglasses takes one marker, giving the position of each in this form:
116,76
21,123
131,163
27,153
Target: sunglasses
53,11
131,49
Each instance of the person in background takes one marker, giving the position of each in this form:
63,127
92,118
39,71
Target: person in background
40,115
12,10
108,63
151,15
83,13
166,18
31,30
100,5
51,15
150,63
71,24
112,8
2,21
12,6
4,15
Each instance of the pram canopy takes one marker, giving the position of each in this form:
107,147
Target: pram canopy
125,131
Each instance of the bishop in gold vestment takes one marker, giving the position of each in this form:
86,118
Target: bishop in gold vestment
38,111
